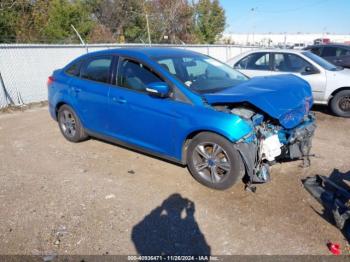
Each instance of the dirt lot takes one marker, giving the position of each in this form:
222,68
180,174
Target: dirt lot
58,197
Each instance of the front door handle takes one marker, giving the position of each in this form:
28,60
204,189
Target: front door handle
119,100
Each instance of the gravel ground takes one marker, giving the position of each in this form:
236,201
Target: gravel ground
93,197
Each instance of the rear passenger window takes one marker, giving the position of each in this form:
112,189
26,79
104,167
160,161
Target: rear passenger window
256,61
97,69
74,70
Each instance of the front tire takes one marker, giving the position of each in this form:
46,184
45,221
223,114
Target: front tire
70,125
213,161
340,103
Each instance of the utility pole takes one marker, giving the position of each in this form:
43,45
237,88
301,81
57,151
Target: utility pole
253,10
148,31
147,22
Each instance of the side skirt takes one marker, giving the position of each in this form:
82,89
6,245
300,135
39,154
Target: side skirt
135,148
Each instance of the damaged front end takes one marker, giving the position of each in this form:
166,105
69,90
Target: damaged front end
270,141
278,110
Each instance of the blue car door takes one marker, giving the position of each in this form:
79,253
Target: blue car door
91,92
144,120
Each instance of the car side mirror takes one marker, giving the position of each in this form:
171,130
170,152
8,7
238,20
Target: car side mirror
159,89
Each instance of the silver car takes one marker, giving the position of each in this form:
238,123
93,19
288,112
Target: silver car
330,84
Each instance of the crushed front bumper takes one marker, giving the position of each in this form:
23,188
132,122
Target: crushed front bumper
295,144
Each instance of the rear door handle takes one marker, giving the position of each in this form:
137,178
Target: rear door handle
76,90
119,100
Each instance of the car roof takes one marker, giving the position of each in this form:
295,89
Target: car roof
276,50
147,51
330,45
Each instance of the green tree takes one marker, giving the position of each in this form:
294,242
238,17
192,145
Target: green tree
61,15
11,14
7,26
31,21
175,21
171,19
28,21
125,19
210,20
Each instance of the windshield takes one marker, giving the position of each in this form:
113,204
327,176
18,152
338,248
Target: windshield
320,61
201,73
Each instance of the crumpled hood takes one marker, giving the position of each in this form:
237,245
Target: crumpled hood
287,98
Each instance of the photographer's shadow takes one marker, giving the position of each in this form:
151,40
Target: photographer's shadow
170,229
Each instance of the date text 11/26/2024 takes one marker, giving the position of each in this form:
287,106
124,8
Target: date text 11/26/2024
173,258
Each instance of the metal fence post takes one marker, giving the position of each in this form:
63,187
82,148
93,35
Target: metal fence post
226,48
8,98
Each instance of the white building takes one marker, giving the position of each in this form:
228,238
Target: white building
274,39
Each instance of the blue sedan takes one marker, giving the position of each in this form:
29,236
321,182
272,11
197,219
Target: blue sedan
185,107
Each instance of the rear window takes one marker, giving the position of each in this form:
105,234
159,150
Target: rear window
97,69
74,70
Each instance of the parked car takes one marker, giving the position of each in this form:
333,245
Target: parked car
336,54
298,46
330,84
185,107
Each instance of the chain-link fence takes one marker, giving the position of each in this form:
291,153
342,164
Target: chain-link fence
24,68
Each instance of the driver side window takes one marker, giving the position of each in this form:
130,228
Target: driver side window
136,76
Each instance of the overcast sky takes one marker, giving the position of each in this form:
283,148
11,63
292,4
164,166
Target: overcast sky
291,16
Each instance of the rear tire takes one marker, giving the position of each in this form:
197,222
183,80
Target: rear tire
70,125
340,104
213,161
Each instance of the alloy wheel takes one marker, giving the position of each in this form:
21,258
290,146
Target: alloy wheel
68,123
344,103
211,162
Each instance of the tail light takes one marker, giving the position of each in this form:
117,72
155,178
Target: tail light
50,80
